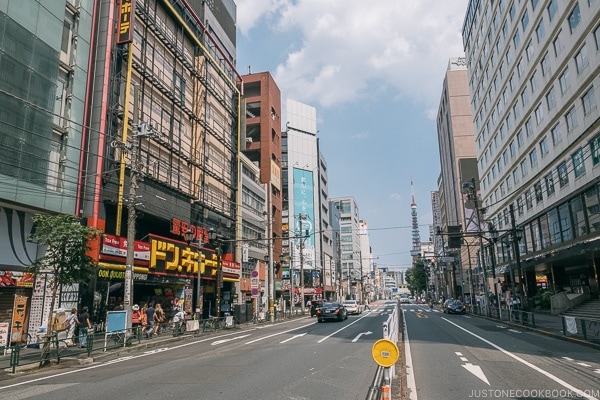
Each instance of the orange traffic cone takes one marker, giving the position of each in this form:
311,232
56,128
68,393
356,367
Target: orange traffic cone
386,393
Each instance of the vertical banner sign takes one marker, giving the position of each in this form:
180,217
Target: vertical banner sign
126,17
19,315
304,204
128,284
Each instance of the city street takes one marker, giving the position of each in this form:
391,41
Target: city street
457,357
295,359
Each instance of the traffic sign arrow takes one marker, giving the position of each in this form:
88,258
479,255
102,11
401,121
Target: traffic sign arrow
360,334
476,370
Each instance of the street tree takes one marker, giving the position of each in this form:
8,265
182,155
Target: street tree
416,278
66,244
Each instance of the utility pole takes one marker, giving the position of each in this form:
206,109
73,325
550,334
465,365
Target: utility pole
516,235
300,217
270,255
473,195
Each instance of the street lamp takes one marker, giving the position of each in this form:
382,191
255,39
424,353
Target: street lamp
189,238
216,242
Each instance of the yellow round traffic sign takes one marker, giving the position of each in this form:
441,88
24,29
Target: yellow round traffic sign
385,352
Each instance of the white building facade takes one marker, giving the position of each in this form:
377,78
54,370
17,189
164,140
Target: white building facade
534,81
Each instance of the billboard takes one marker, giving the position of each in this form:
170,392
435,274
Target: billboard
304,215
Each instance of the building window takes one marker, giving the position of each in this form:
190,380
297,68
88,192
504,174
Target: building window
574,17
552,7
534,4
523,168
550,99
533,158
549,180
597,37
544,148
595,149
512,11
520,69
516,176
540,31
516,39
571,120
578,163
525,20
556,135
557,44
533,82
581,59
544,66
539,114
563,174
589,101
520,138
563,79
512,149
528,201
537,188
529,51
520,205
528,127
524,97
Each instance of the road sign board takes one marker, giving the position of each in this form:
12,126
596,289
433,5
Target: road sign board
385,352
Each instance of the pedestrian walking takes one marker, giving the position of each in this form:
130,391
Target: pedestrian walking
70,325
84,326
150,319
159,318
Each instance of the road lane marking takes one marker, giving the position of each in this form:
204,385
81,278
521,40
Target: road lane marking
339,330
410,374
556,379
474,369
292,338
359,335
218,342
477,371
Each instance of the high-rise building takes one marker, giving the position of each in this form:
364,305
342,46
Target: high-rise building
350,246
44,89
534,81
304,181
458,164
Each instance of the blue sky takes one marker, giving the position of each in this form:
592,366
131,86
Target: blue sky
374,72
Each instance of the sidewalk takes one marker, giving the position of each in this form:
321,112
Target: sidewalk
73,356
586,332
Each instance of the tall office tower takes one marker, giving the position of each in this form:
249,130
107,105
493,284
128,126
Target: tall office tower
458,164
44,69
303,177
350,252
534,81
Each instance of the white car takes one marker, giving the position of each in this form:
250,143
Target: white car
404,299
352,307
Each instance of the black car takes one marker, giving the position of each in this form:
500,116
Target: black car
454,307
332,310
313,307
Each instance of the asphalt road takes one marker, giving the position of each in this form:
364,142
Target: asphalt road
458,357
297,359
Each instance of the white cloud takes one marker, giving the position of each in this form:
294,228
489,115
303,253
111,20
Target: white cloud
351,49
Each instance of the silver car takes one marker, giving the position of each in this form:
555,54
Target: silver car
352,307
